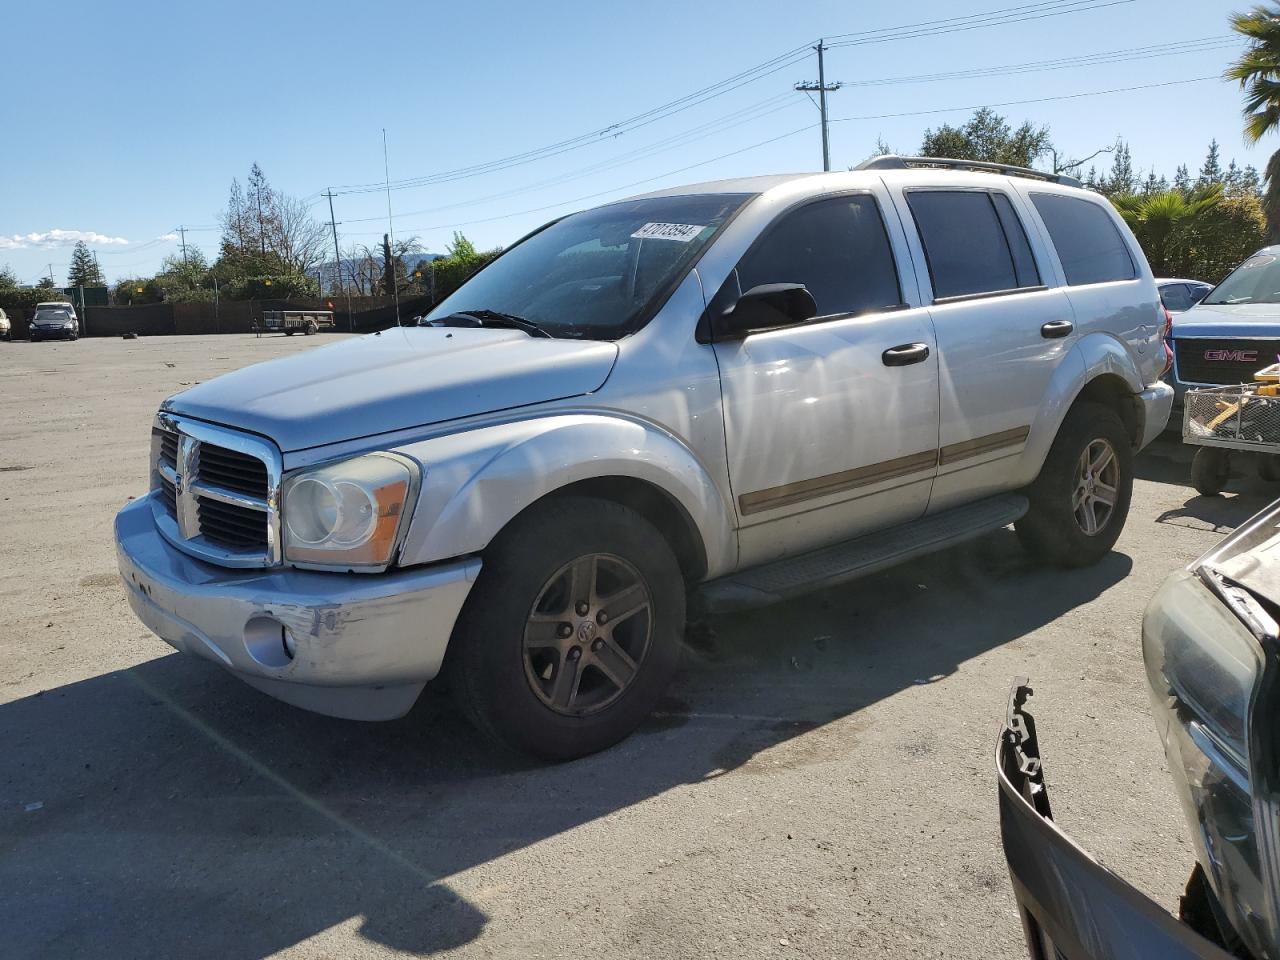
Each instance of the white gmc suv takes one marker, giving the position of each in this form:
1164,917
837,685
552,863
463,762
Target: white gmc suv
739,390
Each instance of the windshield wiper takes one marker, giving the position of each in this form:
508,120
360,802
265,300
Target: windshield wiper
492,318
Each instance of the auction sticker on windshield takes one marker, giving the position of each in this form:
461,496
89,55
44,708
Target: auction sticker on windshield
682,232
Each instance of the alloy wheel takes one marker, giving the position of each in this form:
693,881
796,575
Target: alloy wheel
587,634
1093,499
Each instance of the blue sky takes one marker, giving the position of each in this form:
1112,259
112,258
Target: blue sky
132,119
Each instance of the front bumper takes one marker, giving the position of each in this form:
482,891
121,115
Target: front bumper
363,645
1157,403
51,333
1071,906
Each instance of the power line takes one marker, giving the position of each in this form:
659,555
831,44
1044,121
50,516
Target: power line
1128,55
1018,103
982,22
625,186
702,131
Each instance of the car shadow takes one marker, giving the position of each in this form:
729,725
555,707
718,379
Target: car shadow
168,809
1167,460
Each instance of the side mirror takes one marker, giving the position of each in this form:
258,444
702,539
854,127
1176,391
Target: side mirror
765,307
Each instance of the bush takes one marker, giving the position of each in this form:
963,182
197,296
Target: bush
19,298
286,287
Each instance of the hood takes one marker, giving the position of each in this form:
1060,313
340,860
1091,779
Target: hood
1228,320
396,380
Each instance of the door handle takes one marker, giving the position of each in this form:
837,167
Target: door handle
1057,329
904,354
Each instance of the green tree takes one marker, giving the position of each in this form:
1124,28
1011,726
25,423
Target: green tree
84,271
135,290
8,279
1164,223
1122,180
1211,169
987,136
46,283
1257,70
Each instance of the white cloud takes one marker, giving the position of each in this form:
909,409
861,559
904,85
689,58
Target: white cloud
168,236
58,238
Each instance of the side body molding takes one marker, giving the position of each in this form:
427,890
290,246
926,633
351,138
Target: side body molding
1094,355
475,482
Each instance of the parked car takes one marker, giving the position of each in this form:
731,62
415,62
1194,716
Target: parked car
748,389
6,329
1232,332
1209,641
54,320
1179,296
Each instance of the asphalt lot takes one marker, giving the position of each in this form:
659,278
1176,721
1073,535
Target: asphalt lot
819,783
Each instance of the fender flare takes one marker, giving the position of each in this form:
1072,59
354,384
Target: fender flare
1092,356
474,483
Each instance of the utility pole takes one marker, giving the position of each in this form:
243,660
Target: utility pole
822,88
391,248
183,232
337,262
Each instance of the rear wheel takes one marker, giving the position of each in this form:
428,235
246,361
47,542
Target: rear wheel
311,328
1269,467
572,631
1210,470
1080,500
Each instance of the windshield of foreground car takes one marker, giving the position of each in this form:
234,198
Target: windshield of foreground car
53,313
1257,280
596,274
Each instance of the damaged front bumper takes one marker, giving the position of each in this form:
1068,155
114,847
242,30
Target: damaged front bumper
1071,906
358,646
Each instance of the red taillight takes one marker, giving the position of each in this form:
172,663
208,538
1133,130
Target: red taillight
1168,341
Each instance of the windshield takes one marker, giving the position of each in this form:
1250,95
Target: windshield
1257,280
598,273
52,313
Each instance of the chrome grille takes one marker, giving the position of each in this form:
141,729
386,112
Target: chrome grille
216,492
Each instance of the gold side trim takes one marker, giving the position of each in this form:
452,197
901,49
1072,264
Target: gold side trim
789,493
980,445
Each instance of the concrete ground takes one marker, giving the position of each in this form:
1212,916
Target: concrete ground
818,784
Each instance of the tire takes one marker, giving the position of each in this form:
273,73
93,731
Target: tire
1269,467
311,329
288,333
1065,503
509,660
1210,470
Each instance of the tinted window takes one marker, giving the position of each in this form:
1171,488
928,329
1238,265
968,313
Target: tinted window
837,248
964,242
1176,297
1199,291
1088,243
1024,264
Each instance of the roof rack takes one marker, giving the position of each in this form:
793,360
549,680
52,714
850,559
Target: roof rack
892,162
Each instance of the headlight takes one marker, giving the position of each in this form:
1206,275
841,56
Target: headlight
348,514
1202,657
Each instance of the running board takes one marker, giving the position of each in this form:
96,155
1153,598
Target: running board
773,582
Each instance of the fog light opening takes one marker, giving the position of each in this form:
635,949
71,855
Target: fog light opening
269,642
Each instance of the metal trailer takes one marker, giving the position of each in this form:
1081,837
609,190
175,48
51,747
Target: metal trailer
1230,421
290,322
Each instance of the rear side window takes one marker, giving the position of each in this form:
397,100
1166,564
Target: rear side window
973,246
1176,297
1088,243
838,248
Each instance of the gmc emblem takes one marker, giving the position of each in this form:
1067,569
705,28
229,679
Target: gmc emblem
1237,356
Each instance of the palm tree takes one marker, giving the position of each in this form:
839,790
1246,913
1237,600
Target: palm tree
1167,224
1258,72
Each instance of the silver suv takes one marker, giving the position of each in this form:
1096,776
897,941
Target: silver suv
741,390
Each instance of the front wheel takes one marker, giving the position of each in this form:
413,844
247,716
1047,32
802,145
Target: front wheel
1080,500
1210,470
572,630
